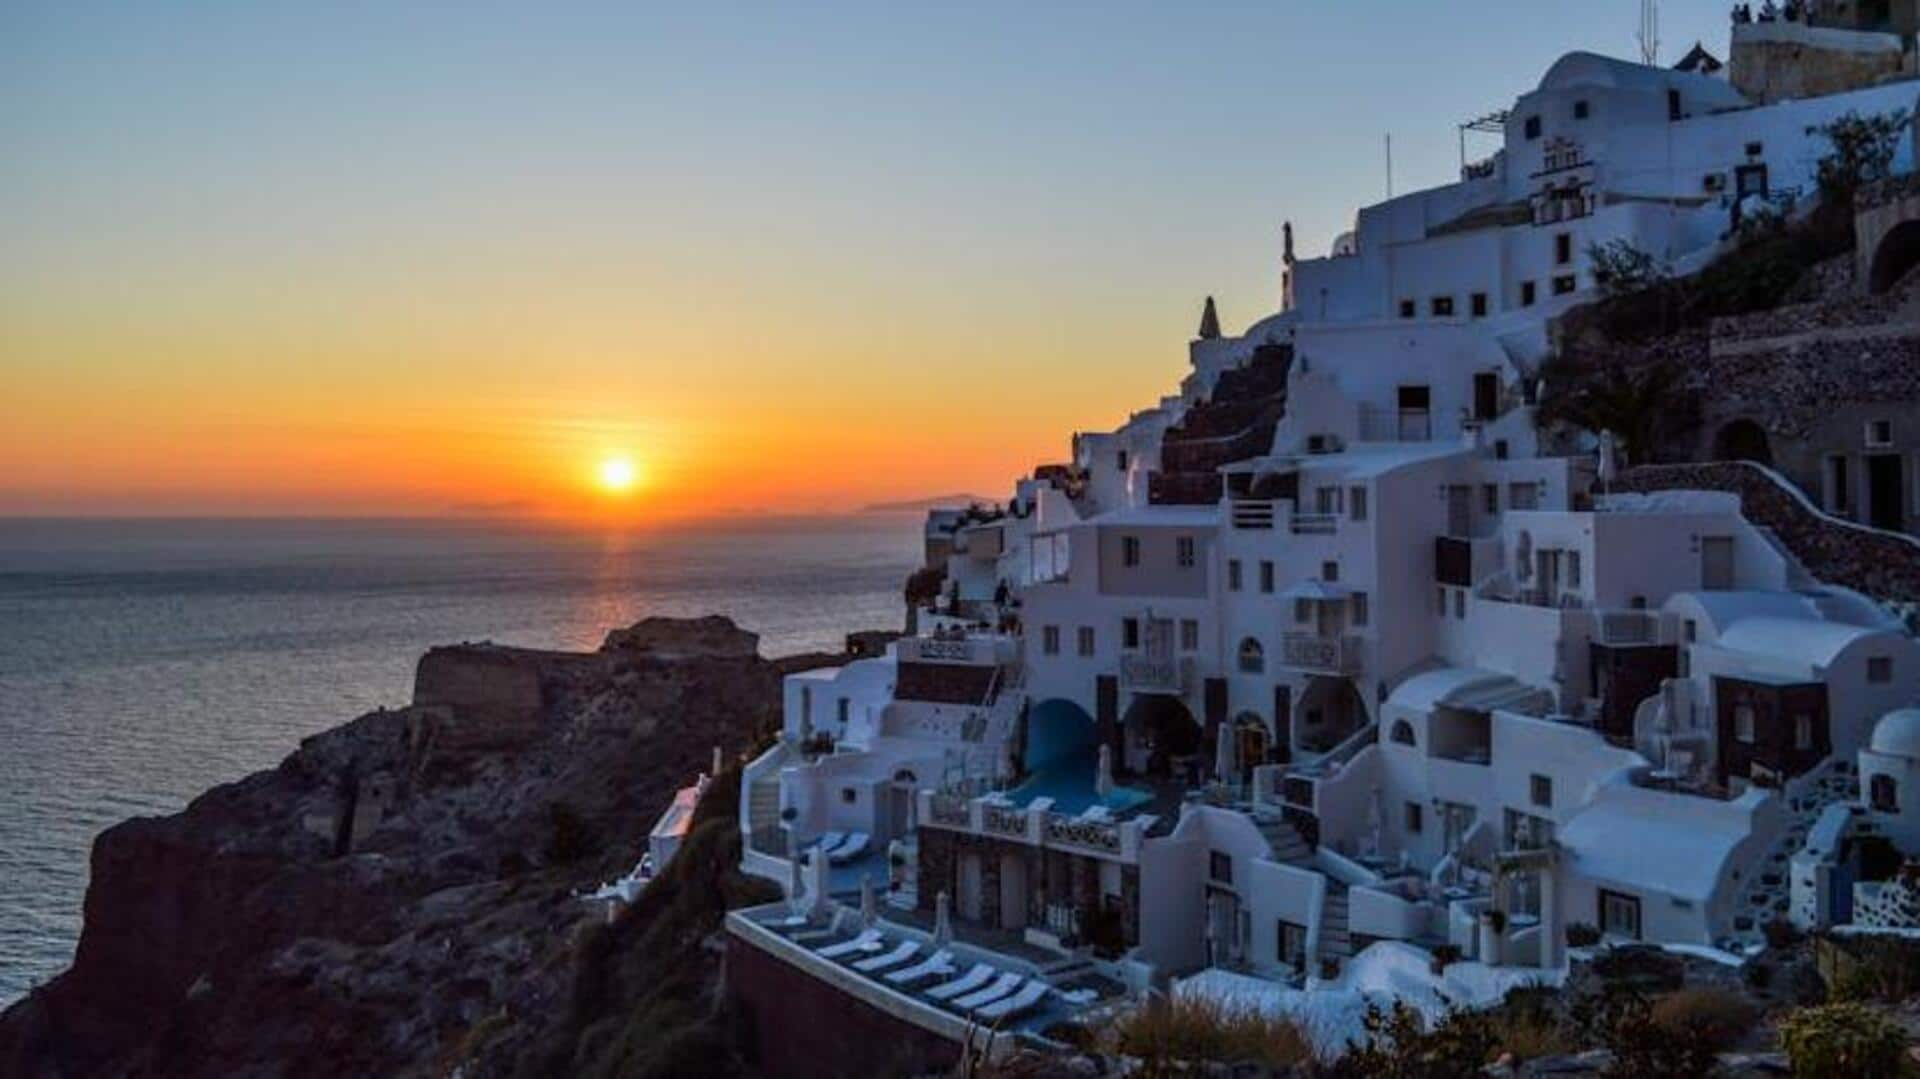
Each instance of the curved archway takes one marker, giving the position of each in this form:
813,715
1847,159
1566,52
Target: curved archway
1403,733
1742,440
1252,742
1330,710
1899,252
1058,731
1253,657
1159,729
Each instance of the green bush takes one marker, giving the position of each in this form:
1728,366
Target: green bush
1401,1045
1842,1041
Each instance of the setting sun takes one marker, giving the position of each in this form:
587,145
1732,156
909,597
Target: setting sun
618,475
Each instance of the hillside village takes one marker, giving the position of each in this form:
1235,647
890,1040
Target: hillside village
1534,584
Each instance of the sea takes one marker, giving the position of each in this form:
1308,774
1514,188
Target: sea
144,661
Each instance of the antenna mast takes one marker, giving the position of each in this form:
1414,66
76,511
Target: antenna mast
1650,32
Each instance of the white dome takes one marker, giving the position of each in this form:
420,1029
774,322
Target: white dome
1898,733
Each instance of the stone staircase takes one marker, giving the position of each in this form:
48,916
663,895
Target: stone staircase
1235,423
1765,889
1335,942
1288,847
763,817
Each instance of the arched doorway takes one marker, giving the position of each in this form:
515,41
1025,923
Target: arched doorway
1161,734
1330,710
1899,251
1742,440
1058,731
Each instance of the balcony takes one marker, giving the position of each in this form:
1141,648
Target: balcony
1322,655
1255,514
1150,674
1315,524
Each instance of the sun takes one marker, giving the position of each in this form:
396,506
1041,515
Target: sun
618,475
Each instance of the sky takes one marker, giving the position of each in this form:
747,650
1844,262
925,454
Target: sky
448,258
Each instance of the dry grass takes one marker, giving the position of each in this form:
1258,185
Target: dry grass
1531,1035
1716,1019
1205,1030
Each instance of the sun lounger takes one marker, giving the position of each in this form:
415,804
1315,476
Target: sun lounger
1006,983
853,847
981,974
936,965
1016,1004
828,841
902,952
865,942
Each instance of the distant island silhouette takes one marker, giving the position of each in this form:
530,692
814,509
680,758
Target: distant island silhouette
919,505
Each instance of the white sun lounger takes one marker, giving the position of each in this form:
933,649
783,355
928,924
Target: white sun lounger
1016,1004
935,965
865,942
828,841
902,952
853,847
980,975
1005,984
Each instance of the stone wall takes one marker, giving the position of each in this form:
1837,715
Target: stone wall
1779,61
1876,563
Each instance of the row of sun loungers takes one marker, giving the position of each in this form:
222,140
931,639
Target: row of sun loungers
984,992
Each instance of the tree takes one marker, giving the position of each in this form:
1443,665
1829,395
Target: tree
1863,152
1622,269
1635,403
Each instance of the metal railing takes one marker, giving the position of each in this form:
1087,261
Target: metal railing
1312,652
1145,672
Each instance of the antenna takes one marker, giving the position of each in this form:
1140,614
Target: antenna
1649,32
1389,166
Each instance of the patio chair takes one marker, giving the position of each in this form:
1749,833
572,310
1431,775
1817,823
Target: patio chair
902,952
938,964
981,974
1018,1004
1005,984
866,942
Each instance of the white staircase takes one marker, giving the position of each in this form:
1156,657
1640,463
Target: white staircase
1764,882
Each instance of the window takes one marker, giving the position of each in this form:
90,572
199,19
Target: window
1531,128
1528,293
1183,551
1880,433
1189,635
1293,944
1402,733
1803,731
1414,816
1563,249
1565,284
1499,449
1522,496
1582,110
1233,574
1326,500
1360,613
848,795
1302,611
1406,308
1880,669
1490,497
1253,658
1085,640
1755,149
1573,569
841,709
1357,503
1440,600
1690,630
1441,306
1130,550
1743,723
1673,104
1460,603
1619,914
1540,791
1220,867
1477,304
1129,633
1266,576
1883,794
1121,458
1050,640
1329,571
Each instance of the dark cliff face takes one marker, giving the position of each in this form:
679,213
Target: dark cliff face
400,888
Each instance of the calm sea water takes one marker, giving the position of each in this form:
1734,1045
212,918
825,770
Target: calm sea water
144,661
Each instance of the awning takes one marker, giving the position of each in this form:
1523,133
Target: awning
1322,591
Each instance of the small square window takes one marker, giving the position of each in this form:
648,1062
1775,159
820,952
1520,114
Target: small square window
1880,669
1499,449
1220,867
1531,128
848,795
1478,305
1329,571
1414,817
1540,791
1880,433
1441,306
1582,110
1528,293
1407,309
1755,149
1565,284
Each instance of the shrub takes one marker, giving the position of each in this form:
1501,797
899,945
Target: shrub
1863,149
1199,1029
1444,956
1876,968
1717,1019
1644,1049
1842,1041
1401,1045
1582,935
1780,933
1621,269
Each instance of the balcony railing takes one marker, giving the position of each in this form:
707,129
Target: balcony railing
1251,514
1155,674
1316,524
1312,652
1626,627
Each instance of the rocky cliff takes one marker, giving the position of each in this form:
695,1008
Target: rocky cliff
397,896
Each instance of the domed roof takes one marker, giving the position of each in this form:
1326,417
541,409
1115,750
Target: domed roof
1898,733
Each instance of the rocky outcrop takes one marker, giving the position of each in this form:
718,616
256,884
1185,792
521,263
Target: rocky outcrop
399,890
